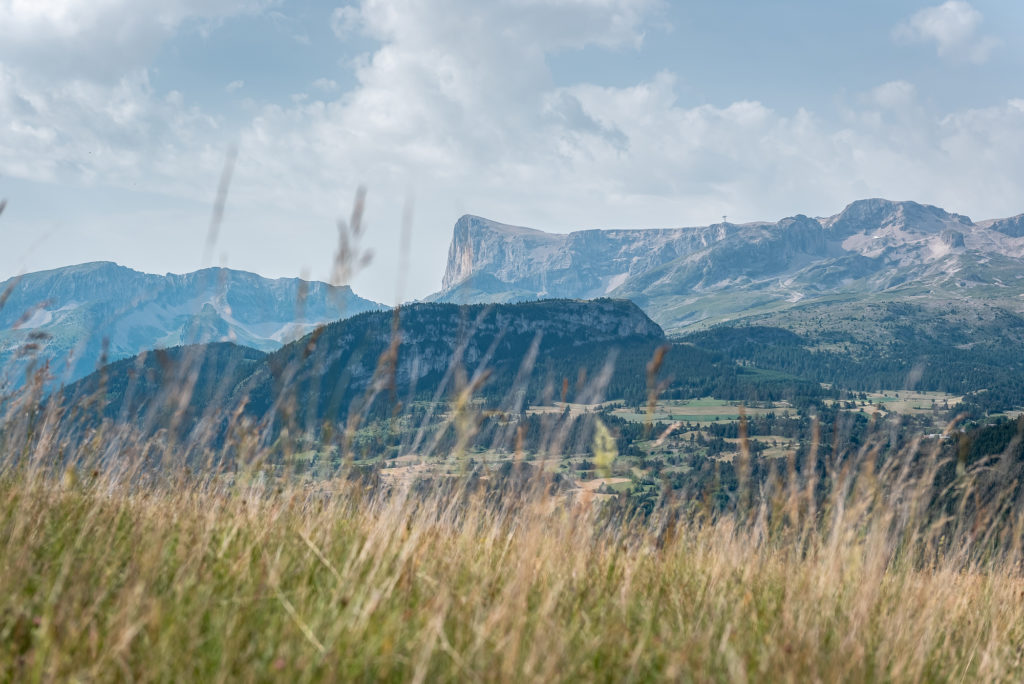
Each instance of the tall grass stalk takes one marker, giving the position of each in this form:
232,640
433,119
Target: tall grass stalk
327,579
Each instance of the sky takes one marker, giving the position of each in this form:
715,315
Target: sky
118,119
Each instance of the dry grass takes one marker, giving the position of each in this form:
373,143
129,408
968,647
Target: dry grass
113,570
329,581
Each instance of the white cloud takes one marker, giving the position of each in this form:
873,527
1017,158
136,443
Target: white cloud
458,103
234,86
121,134
455,86
954,28
345,21
591,156
526,24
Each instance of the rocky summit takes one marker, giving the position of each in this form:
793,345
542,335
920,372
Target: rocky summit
685,277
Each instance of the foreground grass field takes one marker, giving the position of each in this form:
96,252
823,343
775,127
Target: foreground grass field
185,582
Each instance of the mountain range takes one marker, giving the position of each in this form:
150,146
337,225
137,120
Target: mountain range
863,281
80,316
875,250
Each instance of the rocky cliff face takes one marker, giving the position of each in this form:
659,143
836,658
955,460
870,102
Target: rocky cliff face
584,264
73,316
1013,226
687,276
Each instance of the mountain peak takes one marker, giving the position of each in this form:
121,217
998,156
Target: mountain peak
477,240
878,211
89,267
870,214
478,224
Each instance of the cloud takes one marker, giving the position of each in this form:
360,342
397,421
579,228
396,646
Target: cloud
325,84
455,85
345,21
234,86
458,103
894,95
954,28
120,134
100,38
526,24
588,155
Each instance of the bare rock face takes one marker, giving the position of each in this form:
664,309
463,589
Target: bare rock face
581,265
507,252
872,214
1013,226
688,276
952,238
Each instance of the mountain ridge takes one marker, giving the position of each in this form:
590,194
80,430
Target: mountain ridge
696,276
76,316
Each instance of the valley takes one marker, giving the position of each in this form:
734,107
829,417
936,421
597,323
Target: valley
511,341
656,450
432,391
878,431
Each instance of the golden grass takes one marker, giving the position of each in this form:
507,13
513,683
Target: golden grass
112,568
99,580
120,571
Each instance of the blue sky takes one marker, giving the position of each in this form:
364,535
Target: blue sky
116,116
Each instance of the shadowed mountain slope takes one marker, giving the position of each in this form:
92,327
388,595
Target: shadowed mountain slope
508,356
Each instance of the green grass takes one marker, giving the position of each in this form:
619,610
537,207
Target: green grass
701,411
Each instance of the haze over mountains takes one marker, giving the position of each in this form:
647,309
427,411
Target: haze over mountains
884,296
874,250
75,316
835,280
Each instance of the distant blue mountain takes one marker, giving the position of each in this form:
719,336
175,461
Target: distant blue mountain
75,316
